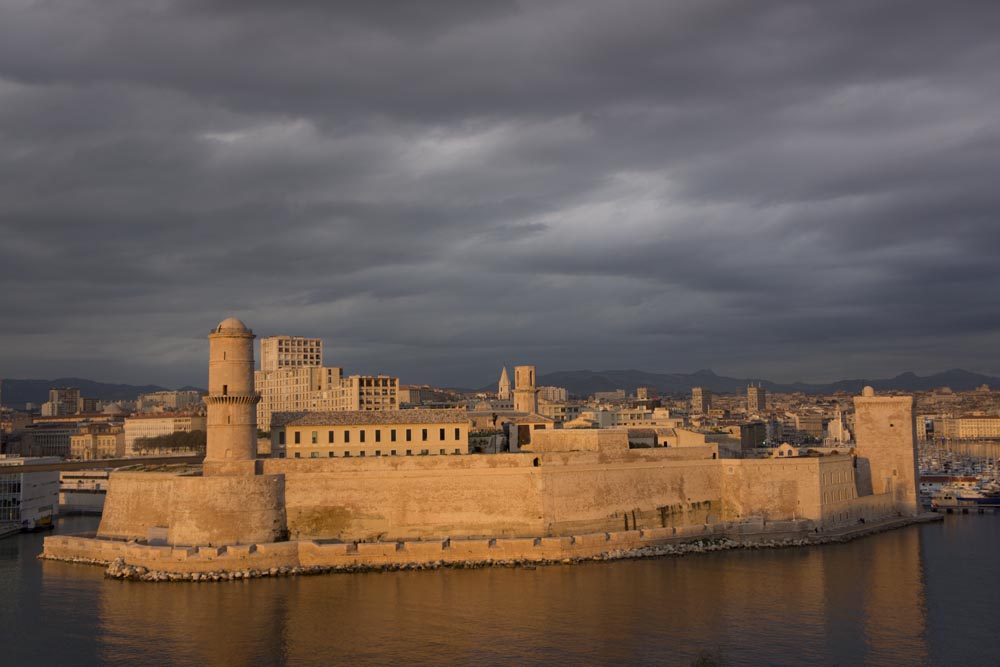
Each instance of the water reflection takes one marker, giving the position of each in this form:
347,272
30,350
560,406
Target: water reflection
845,604
895,614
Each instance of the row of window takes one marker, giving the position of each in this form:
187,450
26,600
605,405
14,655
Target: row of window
330,439
378,452
368,383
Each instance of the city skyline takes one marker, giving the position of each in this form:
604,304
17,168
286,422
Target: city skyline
779,190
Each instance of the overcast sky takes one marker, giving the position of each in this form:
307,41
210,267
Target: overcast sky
792,190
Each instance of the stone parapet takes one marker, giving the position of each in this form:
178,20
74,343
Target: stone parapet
313,554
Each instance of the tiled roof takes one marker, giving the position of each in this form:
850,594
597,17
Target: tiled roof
531,418
368,417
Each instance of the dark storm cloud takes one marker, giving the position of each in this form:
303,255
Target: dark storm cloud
781,189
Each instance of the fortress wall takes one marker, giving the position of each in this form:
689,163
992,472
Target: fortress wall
193,510
776,490
418,497
639,488
837,480
527,495
872,509
814,488
136,502
431,497
378,464
562,440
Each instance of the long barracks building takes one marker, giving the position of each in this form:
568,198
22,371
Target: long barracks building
357,433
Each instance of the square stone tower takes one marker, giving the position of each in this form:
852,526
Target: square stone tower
525,391
886,438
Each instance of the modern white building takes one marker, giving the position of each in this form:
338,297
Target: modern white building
31,499
278,352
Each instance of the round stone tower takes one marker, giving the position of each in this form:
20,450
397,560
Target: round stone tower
231,400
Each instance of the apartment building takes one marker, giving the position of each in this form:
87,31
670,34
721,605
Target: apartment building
967,428
277,352
293,379
553,394
181,401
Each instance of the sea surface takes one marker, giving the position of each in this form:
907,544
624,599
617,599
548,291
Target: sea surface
922,595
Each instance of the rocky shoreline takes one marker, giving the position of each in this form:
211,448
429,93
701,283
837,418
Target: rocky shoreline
119,569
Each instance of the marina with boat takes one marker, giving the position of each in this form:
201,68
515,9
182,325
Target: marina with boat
960,479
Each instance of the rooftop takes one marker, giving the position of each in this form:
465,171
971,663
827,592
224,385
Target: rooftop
366,417
231,324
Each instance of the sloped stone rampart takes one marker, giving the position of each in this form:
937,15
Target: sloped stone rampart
308,556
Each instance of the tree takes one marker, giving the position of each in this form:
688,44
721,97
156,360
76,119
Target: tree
180,440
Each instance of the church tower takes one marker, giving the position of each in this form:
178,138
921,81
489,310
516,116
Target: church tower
503,392
525,392
231,401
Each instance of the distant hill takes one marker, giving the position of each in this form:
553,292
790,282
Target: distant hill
579,383
18,392
587,382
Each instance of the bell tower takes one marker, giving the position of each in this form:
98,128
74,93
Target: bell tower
525,392
503,387
232,401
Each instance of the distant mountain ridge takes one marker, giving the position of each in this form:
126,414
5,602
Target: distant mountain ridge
18,392
579,383
587,382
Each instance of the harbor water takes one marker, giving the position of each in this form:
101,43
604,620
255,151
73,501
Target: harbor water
922,595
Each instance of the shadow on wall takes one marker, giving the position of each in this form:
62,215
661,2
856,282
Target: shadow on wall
863,476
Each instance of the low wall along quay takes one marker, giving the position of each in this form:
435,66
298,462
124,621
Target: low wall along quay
131,560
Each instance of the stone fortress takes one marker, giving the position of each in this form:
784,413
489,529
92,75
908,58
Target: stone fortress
567,494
